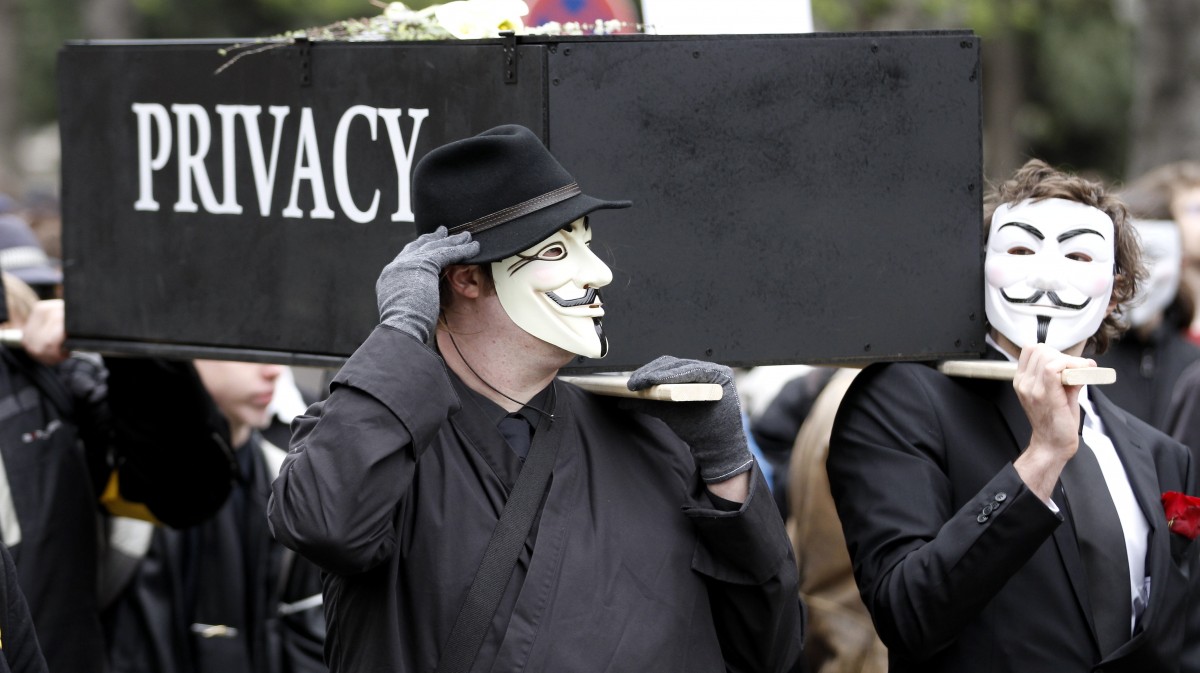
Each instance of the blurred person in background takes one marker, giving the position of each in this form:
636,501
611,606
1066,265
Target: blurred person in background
21,254
44,216
775,429
223,596
290,401
1172,192
1151,355
80,440
841,637
22,652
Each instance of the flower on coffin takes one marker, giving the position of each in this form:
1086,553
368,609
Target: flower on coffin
462,19
476,19
1183,513
598,27
397,12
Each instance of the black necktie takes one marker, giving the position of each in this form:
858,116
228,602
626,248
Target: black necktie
517,432
1101,543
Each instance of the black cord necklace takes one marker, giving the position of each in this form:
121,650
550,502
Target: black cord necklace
497,391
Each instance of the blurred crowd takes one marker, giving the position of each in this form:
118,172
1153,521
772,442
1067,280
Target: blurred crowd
133,495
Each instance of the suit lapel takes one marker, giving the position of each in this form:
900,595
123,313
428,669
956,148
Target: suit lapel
1143,478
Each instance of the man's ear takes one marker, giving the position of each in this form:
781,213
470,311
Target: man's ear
466,280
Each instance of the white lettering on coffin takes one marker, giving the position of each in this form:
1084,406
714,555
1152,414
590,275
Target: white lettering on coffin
185,132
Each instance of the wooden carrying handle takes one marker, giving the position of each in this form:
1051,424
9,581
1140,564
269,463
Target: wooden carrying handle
1005,371
616,386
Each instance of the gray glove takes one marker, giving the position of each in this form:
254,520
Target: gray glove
713,430
407,288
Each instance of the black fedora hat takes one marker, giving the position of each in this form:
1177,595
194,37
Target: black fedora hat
503,186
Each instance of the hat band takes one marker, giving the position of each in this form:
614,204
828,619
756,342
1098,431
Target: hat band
520,210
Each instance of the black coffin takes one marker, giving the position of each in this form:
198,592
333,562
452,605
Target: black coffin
800,198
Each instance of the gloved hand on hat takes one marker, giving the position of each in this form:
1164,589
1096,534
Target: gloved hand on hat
713,430
407,289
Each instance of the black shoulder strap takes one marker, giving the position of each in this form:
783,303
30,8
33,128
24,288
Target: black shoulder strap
503,550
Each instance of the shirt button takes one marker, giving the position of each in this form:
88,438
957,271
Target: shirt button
1001,496
982,518
989,508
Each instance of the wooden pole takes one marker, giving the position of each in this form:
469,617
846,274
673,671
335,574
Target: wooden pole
616,386
1005,371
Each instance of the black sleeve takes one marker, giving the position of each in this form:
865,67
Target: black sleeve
750,571
85,380
924,568
170,443
353,456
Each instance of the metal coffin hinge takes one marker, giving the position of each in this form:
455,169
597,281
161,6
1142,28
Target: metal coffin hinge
510,56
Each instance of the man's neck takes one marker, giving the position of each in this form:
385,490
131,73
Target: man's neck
507,375
239,434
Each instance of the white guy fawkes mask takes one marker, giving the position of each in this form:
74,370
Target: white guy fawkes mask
550,290
1048,272
1162,252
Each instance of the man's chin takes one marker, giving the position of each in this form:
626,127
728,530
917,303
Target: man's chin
572,343
570,355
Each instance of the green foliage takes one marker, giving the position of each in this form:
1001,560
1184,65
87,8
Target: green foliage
44,25
1076,66
165,19
1083,79
985,17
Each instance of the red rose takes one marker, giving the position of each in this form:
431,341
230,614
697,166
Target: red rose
1183,513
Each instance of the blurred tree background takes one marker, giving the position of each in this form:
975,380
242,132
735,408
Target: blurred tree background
1107,87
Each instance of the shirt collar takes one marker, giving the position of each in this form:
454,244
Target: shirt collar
992,342
495,413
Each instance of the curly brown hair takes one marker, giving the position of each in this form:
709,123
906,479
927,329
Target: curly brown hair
1037,180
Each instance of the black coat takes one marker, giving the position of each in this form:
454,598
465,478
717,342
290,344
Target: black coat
1148,371
395,488
62,431
915,459
18,642
222,596
50,524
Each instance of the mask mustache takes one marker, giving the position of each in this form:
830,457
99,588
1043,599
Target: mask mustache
589,297
1050,294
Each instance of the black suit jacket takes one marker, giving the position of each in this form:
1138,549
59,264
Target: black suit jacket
962,566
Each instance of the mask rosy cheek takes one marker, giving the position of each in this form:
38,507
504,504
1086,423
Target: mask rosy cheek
1000,275
1099,287
544,278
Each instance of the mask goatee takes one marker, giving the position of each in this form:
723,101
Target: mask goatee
600,335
